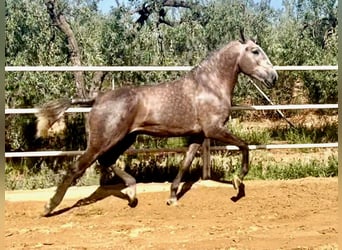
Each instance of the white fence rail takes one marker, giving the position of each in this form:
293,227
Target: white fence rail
255,107
161,150
166,68
140,68
251,147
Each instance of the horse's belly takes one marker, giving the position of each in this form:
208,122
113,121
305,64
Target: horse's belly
168,130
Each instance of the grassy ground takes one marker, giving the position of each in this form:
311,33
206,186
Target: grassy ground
264,164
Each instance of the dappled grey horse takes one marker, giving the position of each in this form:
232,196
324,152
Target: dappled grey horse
197,105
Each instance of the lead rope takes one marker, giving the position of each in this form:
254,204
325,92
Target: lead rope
270,101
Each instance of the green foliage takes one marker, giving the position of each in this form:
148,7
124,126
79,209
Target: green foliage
303,34
25,178
250,135
295,170
306,134
145,141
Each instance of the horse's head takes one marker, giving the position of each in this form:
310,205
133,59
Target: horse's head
254,62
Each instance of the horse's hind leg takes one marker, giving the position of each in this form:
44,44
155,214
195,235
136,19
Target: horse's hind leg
109,159
79,167
130,182
190,155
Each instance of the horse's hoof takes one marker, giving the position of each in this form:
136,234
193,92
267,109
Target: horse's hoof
172,202
236,182
133,203
47,210
240,194
131,194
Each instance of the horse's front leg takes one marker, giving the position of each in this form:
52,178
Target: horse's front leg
190,155
237,179
225,136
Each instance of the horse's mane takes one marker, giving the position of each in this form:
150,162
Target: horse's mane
212,57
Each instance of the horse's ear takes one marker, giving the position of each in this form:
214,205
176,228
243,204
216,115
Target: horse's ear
242,36
255,39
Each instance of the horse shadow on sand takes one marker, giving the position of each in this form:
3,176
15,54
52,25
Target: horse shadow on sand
100,193
104,191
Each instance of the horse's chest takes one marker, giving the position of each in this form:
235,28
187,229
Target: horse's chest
212,104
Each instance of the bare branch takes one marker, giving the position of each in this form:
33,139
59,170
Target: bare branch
146,10
175,3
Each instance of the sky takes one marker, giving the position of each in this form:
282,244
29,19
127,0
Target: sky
105,5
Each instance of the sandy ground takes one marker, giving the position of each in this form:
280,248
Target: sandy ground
296,214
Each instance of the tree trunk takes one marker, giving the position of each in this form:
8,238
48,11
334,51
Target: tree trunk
59,20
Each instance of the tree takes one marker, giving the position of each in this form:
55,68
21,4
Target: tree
304,40
60,21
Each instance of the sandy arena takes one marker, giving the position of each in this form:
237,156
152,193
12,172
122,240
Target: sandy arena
296,214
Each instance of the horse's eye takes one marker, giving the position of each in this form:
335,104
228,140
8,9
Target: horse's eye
255,52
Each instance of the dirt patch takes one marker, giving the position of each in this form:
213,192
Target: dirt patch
296,214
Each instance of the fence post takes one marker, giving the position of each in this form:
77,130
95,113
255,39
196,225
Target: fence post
206,159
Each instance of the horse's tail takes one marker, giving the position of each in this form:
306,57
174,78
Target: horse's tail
53,111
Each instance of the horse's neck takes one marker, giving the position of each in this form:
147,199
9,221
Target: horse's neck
219,71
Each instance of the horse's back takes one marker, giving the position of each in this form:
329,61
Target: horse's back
165,109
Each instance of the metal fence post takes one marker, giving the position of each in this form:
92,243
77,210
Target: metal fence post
206,159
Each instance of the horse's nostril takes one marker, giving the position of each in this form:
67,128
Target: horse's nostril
274,77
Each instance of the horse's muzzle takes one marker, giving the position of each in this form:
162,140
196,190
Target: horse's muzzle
271,80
